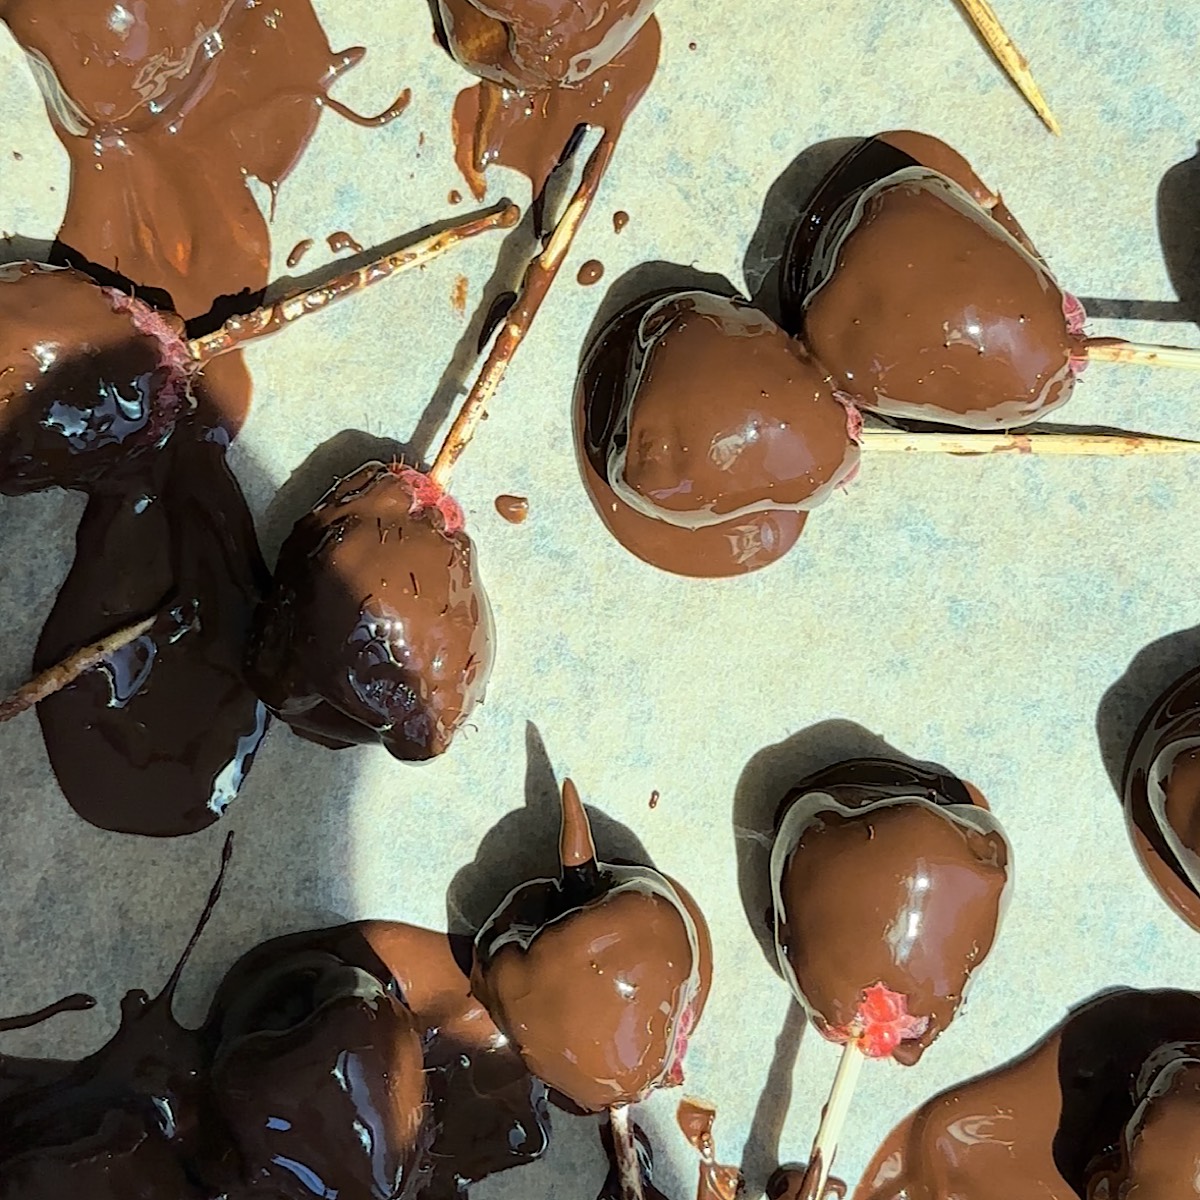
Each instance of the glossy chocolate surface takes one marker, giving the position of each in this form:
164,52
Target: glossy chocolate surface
377,627
166,110
159,739
597,977
1051,1123
881,874
351,1061
319,1071
870,162
923,296
528,131
89,379
529,45
1161,792
722,416
731,547
1160,1148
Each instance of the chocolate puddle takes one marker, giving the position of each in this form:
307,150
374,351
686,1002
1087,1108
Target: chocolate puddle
522,115
165,110
1047,1124
1161,792
159,740
350,1061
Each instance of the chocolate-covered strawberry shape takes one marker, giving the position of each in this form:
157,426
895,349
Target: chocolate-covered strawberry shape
707,434
376,627
889,882
89,378
598,978
912,284
318,1075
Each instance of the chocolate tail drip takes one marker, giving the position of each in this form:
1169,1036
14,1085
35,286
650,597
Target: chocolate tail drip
76,1002
579,870
210,905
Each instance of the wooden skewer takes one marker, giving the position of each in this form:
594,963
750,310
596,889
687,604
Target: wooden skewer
71,668
272,317
1044,444
984,18
1117,350
539,276
629,1172
833,1120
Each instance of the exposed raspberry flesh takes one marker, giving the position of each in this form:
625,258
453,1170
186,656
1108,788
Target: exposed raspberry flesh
1076,318
854,418
427,497
881,1022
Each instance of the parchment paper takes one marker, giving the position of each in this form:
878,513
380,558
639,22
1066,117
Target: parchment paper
980,612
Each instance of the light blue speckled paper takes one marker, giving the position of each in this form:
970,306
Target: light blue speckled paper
973,611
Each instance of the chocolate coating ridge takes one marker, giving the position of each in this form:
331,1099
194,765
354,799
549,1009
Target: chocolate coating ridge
1161,792
597,977
885,883
533,44
1047,1124
160,739
723,415
377,627
89,379
871,161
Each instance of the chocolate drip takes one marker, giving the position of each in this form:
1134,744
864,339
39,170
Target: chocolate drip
160,739
377,627
120,1123
597,977
1050,1122
881,877
527,125
1161,791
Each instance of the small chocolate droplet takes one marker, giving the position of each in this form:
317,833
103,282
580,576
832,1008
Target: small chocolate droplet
514,509
620,219
340,241
591,272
